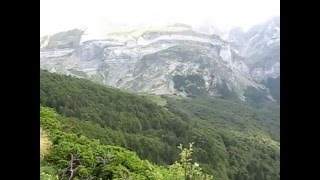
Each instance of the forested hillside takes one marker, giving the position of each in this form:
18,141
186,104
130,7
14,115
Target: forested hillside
231,140
65,155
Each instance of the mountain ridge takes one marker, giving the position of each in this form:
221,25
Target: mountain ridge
148,60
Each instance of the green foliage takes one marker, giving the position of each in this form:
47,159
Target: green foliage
134,119
191,171
229,136
191,84
48,173
255,97
225,92
235,136
94,161
50,118
156,99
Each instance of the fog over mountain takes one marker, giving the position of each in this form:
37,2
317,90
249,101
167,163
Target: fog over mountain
164,90
60,15
172,59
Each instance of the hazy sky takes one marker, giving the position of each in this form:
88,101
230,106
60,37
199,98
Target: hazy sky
59,15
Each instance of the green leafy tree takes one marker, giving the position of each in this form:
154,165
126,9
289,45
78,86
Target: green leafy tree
191,171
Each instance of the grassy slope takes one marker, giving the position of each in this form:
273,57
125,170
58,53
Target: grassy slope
156,99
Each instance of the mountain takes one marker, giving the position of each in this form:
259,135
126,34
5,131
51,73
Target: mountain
173,59
231,140
209,29
259,48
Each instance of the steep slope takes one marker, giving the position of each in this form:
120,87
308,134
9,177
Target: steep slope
259,48
74,156
151,60
232,140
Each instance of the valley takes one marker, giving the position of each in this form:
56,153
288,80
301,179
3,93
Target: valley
231,140
169,102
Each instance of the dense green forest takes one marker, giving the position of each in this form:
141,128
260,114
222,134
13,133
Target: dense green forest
65,155
231,140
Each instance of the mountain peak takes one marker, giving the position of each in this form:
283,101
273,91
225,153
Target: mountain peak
166,59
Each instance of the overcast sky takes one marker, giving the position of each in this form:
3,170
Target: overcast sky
59,15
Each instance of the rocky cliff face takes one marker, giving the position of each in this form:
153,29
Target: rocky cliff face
171,60
259,48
